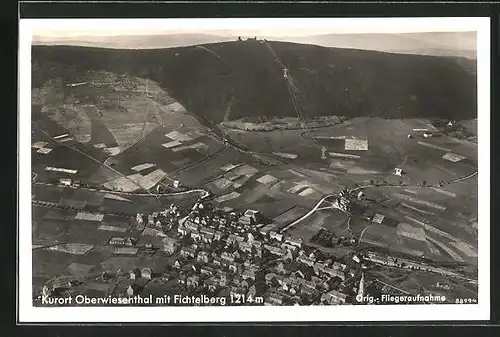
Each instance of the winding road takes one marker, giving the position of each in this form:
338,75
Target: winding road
473,174
314,209
203,192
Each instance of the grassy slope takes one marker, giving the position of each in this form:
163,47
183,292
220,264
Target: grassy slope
331,81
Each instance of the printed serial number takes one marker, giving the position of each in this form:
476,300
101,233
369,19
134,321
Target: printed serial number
465,300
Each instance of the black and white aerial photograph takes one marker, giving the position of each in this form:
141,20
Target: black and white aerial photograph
272,163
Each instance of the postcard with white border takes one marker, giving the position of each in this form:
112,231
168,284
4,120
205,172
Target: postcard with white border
247,170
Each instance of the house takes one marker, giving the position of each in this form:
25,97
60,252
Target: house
207,237
227,258
61,284
236,255
236,281
257,244
231,239
335,273
245,246
236,291
264,232
333,297
246,220
217,261
288,254
218,235
133,289
134,273
294,281
324,285
195,235
276,236
244,284
252,213
304,272
274,250
166,276
339,266
177,264
398,171
306,260
206,230
117,241
378,218
65,182
191,226
342,203
293,290
146,273
211,284
274,299
193,281
251,266
287,246
234,238
188,252
182,230
248,273
269,277
320,268
223,279
294,242
203,257
235,267
46,291
309,289
206,270
170,245
250,238
280,268
316,280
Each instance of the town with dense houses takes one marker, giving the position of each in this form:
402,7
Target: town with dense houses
226,253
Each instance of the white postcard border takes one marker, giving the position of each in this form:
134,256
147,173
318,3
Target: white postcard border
27,313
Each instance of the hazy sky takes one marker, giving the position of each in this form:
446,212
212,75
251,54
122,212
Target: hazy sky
274,27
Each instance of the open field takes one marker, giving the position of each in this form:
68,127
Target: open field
289,216
391,238
166,160
306,229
